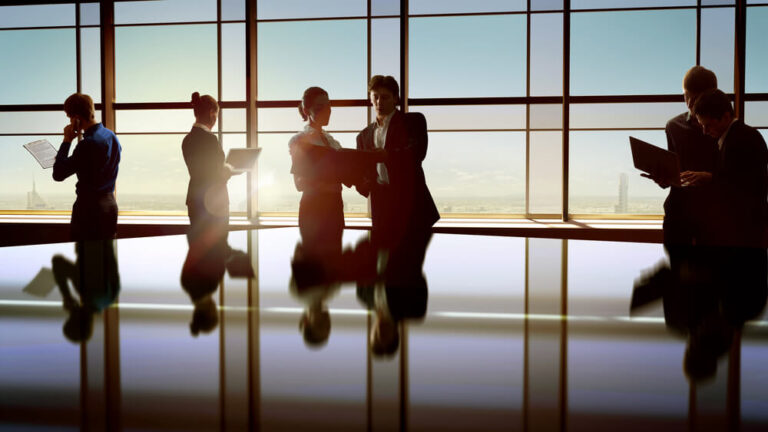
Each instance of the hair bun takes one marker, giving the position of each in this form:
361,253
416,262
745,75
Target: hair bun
195,98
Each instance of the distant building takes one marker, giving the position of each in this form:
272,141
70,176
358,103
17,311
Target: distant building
34,200
622,206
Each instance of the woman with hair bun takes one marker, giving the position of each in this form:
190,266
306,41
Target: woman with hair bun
313,150
207,197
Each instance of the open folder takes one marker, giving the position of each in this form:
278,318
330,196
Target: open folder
663,165
243,159
43,152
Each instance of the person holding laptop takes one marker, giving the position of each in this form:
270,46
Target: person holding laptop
686,207
207,197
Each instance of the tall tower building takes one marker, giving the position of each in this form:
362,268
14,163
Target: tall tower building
34,200
622,206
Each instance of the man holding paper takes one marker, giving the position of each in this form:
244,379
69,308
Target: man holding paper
95,161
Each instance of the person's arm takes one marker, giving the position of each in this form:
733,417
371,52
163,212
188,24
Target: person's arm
66,165
364,185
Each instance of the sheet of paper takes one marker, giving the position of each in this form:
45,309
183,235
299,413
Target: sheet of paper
42,284
43,151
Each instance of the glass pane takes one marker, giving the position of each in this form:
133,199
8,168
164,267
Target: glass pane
549,116
637,52
546,176
718,2
168,120
473,116
613,4
153,176
237,185
288,119
48,76
335,60
276,192
233,62
233,120
717,42
385,7
756,114
756,80
541,5
603,179
233,10
164,11
34,122
27,186
90,51
182,60
90,14
477,172
281,9
37,16
463,6
546,54
385,47
489,49
637,115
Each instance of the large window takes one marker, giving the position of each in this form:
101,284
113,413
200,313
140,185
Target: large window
497,81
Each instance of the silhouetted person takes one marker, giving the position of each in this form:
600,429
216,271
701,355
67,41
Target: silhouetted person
207,196
398,291
708,294
200,277
321,210
95,161
316,277
96,280
686,207
740,178
400,200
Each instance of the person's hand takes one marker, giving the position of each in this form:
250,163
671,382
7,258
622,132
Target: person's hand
70,133
695,178
662,184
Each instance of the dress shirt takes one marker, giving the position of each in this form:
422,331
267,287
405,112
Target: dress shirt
721,140
319,138
95,161
379,139
203,127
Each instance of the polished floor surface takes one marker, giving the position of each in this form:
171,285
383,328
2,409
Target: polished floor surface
491,333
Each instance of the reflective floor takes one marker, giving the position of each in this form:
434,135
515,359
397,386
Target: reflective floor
491,333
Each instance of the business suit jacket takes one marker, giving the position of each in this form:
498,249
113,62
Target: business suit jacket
208,177
686,209
405,204
741,182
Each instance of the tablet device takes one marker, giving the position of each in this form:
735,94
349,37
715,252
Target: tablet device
660,163
243,159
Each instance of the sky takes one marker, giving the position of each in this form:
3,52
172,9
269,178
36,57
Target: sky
624,52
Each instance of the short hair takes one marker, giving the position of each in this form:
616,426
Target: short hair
79,104
386,82
712,104
203,105
699,79
308,99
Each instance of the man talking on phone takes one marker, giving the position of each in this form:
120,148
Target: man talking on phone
95,161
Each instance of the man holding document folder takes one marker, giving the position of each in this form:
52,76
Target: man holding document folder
95,161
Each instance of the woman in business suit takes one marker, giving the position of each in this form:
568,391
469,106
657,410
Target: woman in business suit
313,151
207,197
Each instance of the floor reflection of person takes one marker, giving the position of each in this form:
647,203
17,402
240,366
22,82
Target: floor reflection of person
708,293
201,274
96,280
397,292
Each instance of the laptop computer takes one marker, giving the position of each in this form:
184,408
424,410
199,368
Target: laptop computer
243,159
661,164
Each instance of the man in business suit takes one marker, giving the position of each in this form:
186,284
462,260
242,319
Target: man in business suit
740,178
401,204
685,209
